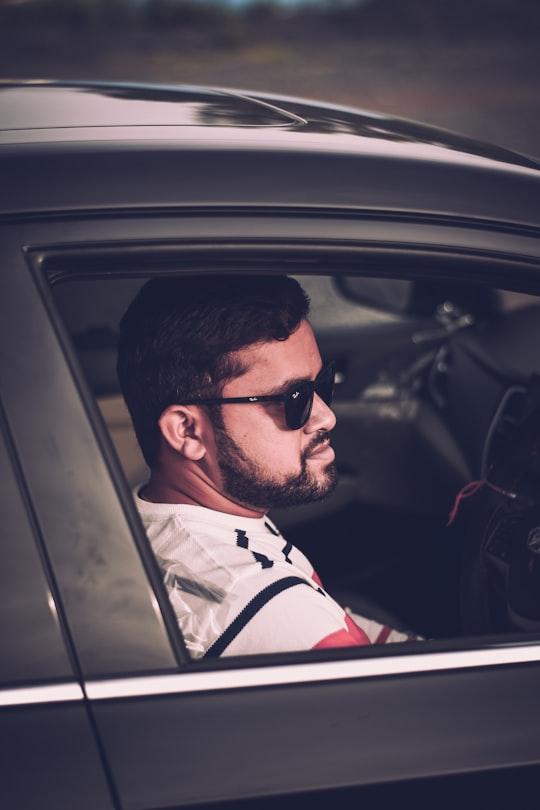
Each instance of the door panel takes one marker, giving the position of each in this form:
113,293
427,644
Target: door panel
174,750
50,760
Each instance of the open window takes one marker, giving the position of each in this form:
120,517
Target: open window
423,371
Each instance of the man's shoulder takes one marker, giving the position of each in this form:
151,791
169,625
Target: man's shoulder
182,529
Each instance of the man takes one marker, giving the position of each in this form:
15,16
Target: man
231,406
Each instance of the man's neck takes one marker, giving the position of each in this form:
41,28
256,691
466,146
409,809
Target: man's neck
194,490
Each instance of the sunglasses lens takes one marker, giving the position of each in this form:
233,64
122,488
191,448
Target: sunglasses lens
299,401
298,406
324,384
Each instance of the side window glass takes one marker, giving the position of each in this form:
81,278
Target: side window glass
30,635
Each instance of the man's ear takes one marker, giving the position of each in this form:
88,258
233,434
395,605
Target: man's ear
181,427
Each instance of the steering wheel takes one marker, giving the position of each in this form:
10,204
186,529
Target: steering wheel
500,580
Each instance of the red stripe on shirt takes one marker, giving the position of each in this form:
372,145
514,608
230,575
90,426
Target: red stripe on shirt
383,635
316,578
353,636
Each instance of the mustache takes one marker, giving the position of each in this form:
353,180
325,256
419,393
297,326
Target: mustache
321,438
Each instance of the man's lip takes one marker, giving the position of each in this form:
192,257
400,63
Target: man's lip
322,449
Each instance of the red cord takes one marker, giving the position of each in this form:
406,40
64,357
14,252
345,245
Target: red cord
471,489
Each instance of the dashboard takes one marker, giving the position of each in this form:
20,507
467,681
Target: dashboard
482,379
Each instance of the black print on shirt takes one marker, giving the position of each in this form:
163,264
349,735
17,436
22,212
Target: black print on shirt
242,540
286,550
271,529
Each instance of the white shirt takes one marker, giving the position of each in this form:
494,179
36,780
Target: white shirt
238,587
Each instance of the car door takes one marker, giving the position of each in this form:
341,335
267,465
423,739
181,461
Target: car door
173,732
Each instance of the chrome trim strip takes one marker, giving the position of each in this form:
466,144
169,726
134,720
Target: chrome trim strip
309,672
52,693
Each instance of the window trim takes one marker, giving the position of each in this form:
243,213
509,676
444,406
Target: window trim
50,693
310,672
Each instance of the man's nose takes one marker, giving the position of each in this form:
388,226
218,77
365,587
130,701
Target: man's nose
322,416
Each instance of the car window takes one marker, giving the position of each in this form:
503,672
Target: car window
31,638
365,344
418,398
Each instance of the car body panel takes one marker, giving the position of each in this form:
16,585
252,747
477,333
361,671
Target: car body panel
222,182
172,750
51,758
360,163
257,174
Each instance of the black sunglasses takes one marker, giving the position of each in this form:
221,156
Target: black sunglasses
298,399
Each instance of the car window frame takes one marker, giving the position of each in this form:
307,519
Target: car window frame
51,261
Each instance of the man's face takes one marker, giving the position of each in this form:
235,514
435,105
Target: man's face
262,463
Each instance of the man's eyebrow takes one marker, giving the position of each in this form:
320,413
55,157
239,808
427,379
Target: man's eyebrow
285,386
292,382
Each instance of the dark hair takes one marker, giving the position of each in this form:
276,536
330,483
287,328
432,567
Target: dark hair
179,335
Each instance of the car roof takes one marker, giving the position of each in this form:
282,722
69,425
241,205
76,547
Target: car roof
53,106
57,110
58,138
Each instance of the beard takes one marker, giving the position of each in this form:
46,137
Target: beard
246,482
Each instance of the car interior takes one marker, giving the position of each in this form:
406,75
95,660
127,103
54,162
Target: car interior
433,520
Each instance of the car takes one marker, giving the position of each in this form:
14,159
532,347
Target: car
420,250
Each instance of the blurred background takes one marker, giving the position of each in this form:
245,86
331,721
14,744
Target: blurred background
472,66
